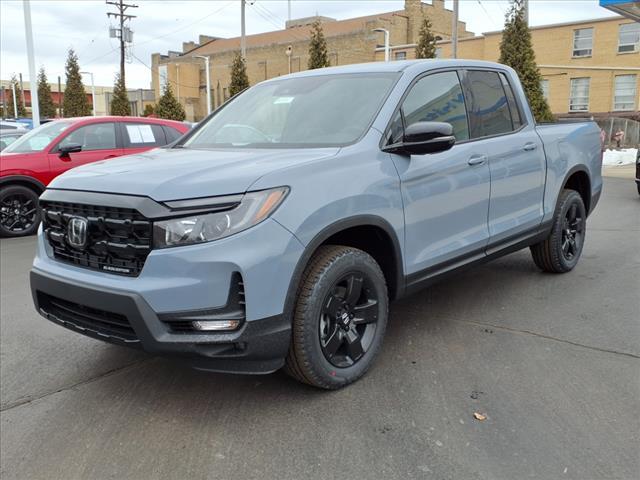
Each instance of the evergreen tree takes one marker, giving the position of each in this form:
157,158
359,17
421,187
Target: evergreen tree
120,100
45,102
318,57
239,78
516,51
11,113
75,102
168,106
149,109
426,47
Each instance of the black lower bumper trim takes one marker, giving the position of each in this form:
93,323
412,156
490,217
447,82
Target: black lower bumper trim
259,346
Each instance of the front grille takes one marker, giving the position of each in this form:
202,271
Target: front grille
87,319
118,239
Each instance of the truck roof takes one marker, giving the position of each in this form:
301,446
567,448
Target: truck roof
394,66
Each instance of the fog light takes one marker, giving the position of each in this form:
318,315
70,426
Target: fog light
215,325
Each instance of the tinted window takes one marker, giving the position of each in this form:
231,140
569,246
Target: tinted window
97,136
140,135
489,110
438,98
516,118
39,138
396,130
171,133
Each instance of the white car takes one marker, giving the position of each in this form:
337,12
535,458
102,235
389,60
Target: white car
11,125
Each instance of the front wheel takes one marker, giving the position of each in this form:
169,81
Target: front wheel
561,250
340,318
19,213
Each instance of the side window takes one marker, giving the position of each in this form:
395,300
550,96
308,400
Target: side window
97,136
516,117
396,130
489,110
171,133
438,98
140,135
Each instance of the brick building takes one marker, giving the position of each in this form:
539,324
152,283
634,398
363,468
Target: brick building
348,41
589,67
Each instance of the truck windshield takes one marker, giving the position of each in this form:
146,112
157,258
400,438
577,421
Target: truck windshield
318,111
38,139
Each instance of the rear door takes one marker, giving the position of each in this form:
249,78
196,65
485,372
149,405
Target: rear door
99,142
516,158
446,194
139,137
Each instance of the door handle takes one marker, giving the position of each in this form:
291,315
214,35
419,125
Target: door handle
529,147
477,160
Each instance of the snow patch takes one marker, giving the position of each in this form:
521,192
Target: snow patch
626,156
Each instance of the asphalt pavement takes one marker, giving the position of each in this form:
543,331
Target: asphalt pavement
552,361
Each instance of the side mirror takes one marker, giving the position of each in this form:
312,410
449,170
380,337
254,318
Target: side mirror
65,150
425,137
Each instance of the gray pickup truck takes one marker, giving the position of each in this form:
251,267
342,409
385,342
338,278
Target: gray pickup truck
277,231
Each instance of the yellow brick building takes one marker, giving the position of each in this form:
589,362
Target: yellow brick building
589,67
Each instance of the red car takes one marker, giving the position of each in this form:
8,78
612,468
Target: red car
31,162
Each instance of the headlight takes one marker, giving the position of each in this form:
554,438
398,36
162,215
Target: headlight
205,227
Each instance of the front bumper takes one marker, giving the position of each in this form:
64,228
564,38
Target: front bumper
258,346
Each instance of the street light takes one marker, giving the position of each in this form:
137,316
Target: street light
206,66
386,42
93,91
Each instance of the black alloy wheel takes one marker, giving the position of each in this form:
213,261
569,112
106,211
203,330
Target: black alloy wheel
348,320
19,213
339,318
572,233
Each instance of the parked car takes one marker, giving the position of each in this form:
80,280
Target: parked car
11,125
277,231
7,137
30,163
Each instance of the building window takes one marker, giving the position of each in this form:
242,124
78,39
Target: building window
629,38
544,84
162,78
624,97
583,42
579,95
401,55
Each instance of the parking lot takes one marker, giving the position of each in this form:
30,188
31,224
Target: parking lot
553,361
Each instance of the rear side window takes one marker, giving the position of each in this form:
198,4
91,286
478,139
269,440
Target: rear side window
516,117
488,106
97,136
140,135
171,133
437,98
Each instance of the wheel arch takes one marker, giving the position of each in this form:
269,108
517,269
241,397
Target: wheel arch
23,180
578,179
356,232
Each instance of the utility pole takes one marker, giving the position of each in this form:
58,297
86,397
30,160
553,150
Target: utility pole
454,30
59,97
208,77
289,11
93,92
243,40
126,35
24,102
526,12
35,106
15,102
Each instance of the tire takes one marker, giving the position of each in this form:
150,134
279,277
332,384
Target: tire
328,318
19,212
638,186
561,250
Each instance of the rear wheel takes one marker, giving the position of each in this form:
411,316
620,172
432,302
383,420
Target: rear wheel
19,213
340,318
561,250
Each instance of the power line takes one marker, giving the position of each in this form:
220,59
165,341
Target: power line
126,35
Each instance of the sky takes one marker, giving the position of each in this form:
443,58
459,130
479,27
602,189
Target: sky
163,25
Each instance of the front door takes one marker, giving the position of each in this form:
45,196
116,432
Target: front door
446,195
98,140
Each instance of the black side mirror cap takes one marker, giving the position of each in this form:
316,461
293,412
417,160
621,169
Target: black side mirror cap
65,150
421,138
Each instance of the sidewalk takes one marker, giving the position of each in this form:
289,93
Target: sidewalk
619,171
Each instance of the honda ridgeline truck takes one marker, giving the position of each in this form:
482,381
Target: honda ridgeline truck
276,232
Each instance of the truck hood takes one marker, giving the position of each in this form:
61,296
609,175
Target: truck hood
173,174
